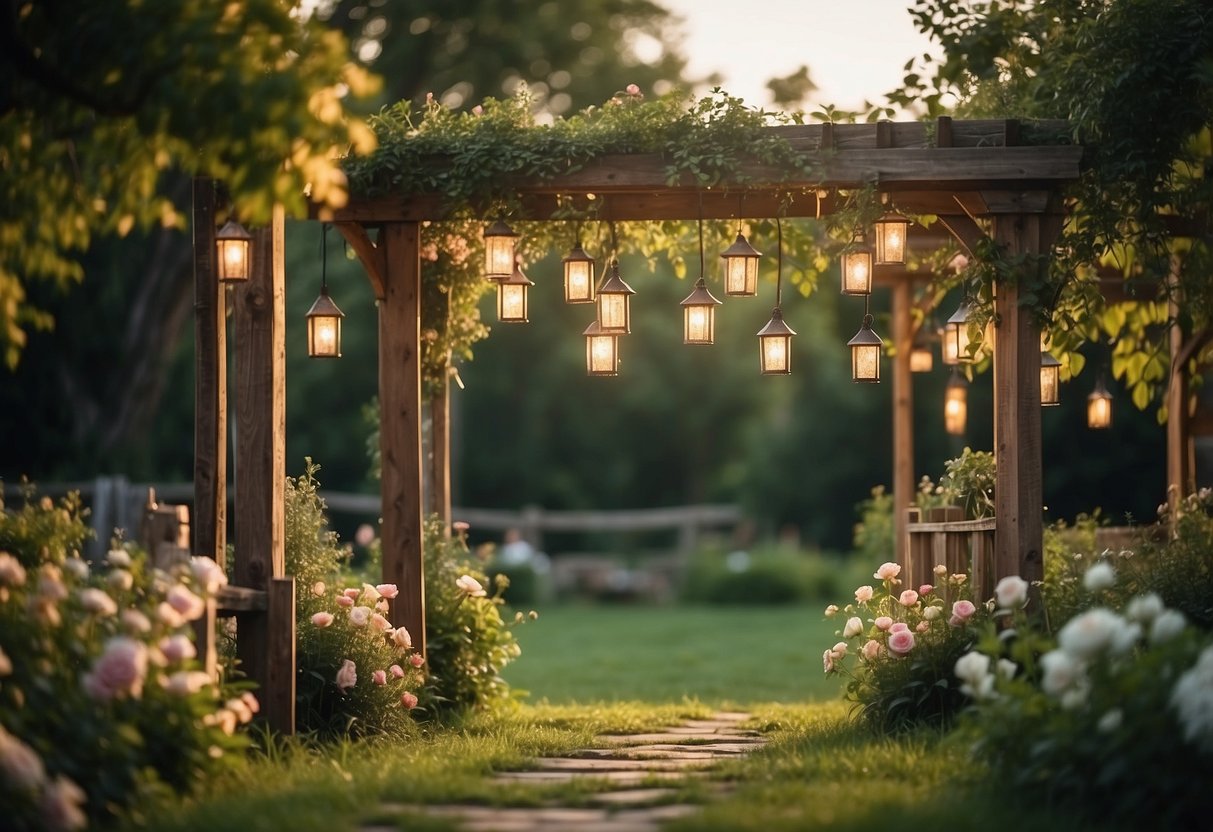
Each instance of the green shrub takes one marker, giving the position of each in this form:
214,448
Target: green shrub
898,646
768,576
356,675
1111,716
873,537
522,583
102,704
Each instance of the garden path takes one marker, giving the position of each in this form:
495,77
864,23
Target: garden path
628,783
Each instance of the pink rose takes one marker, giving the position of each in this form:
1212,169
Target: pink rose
883,622
136,621
397,671
632,89
901,642
827,661
871,650
887,571
416,660
97,602
908,598
352,593
863,594
322,619
962,611
408,700
208,574
21,765
854,627
380,624
1011,591
470,586
345,601
177,648
168,616
318,589
379,677
388,591
250,701
402,639
12,573
186,682
360,616
923,626
60,805
347,676
926,589
461,526
381,605
119,670
189,605
899,627
478,110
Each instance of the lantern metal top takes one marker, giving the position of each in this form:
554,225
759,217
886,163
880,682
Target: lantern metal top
613,284
776,325
1048,360
517,278
741,248
324,306
866,337
700,296
961,315
1100,391
233,230
499,229
892,217
595,329
577,254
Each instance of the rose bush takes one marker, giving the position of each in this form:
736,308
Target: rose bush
899,647
102,702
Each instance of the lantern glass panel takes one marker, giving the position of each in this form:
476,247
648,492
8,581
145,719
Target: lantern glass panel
741,276
233,260
922,359
1099,410
776,354
955,409
865,362
512,302
1050,385
613,312
324,337
698,324
857,272
601,352
891,240
498,257
578,281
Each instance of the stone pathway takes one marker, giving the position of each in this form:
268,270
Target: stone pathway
628,775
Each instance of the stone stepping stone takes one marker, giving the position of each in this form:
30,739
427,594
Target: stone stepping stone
632,797
715,749
600,764
642,752
619,778
676,738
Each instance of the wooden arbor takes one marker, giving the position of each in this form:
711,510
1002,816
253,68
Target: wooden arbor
960,171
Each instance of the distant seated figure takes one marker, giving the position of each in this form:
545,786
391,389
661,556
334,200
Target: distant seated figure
516,551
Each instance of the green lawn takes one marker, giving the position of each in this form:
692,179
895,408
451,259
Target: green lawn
738,655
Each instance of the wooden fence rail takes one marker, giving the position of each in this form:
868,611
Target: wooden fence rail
945,537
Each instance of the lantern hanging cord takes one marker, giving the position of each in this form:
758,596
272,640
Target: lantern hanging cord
324,257
778,263
867,314
700,234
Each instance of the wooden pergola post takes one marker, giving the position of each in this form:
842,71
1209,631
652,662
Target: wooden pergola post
903,415
401,459
440,454
1018,488
210,383
1181,450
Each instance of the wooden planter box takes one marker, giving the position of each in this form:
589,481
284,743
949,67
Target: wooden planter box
942,535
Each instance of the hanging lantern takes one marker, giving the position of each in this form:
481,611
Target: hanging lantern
955,404
857,267
601,351
892,231
499,240
865,353
512,297
234,244
614,298
699,315
956,336
324,327
1099,407
740,268
578,276
1050,380
775,345
922,358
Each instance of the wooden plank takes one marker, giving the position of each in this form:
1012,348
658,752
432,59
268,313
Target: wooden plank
958,526
210,382
440,454
903,414
400,426
944,136
278,694
1018,489
233,599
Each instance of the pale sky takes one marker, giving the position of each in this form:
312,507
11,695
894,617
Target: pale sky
855,49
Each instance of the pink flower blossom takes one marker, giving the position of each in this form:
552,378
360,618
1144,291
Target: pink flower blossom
318,589
347,676
388,591
926,589
50,584
250,700
186,682
470,586
21,765
97,602
908,598
827,661
119,671
6,664
831,611
887,572
416,660
397,671
899,627
460,526
120,580
177,648
244,714
189,605
871,650
962,611
380,624
863,594
1011,591
168,616
632,89
360,616
478,110
402,639
922,626
883,622
60,806
381,605
209,575
379,677
408,700
136,622
854,627
12,573
901,642
345,601
369,594
352,593
940,570
322,619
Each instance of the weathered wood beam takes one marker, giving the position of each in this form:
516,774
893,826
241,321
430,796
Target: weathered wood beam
210,382
400,425
369,253
1181,449
903,415
439,490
